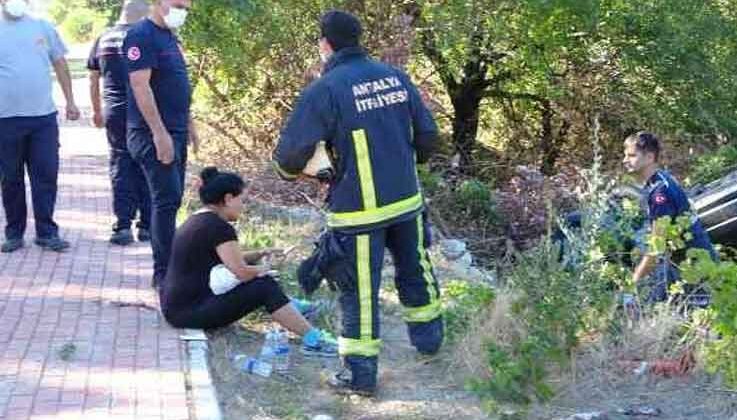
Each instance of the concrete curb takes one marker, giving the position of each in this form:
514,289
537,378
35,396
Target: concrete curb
203,402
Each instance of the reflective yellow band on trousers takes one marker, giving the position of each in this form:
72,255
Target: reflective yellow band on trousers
365,171
365,345
363,261
433,309
351,347
376,215
423,313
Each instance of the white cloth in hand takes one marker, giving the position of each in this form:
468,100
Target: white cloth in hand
222,280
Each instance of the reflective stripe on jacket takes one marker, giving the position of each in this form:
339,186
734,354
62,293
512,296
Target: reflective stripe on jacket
376,128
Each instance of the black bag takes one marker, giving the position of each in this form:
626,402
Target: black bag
328,261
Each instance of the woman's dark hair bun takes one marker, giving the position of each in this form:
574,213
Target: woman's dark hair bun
208,174
216,184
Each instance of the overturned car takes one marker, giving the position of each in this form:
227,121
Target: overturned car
716,205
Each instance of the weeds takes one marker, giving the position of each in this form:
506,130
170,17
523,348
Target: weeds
559,295
553,299
721,277
462,301
551,305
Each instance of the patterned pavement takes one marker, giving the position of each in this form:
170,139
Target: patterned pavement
80,335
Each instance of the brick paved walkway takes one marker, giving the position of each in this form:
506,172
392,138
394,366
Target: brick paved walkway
79,338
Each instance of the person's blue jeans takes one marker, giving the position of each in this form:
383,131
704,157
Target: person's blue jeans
166,183
30,143
130,191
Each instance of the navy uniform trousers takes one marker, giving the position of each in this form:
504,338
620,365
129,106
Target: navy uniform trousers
166,183
130,191
360,342
32,143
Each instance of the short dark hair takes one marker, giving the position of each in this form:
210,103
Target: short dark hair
341,29
645,142
216,184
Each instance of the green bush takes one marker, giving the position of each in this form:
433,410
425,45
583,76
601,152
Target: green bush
469,202
554,303
462,301
77,22
518,374
556,297
59,9
721,277
477,198
713,166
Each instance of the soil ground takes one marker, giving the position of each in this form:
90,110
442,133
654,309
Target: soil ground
694,397
411,386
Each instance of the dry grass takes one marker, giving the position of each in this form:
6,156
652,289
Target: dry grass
493,324
658,335
602,372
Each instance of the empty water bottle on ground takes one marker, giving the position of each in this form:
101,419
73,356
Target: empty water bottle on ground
248,364
275,349
281,351
268,349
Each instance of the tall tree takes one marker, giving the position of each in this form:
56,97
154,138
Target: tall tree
531,74
670,63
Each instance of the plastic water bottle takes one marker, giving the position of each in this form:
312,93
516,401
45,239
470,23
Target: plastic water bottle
268,350
248,364
281,351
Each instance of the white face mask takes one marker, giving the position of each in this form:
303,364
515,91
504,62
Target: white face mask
175,18
16,8
324,53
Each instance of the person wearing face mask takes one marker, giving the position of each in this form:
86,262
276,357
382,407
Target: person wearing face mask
29,131
107,61
159,124
375,128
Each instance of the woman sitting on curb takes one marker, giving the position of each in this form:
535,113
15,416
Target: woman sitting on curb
207,240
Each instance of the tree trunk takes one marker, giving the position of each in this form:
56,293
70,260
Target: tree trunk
466,104
550,140
547,139
468,88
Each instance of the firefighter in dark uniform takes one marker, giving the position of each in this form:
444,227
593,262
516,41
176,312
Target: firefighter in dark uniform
662,197
107,60
376,128
159,124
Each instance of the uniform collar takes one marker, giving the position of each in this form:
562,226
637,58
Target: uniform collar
659,177
344,55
